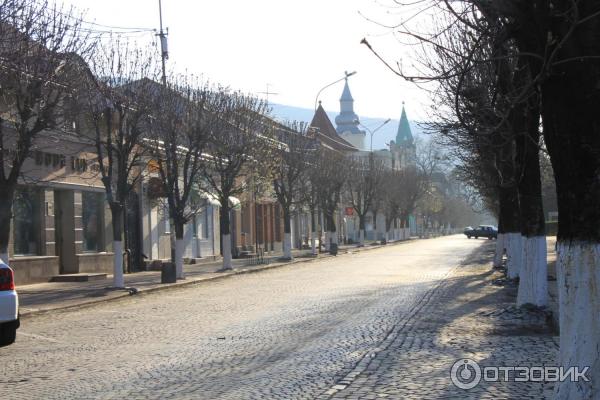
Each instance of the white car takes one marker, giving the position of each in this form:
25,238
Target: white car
9,306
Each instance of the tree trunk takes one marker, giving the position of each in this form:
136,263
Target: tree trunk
225,234
509,214
331,228
533,277
499,252
361,228
313,231
6,201
179,247
287,233
572,133
117,214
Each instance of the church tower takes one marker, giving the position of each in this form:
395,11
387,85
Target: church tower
403,148
347,121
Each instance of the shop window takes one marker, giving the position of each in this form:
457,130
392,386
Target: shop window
27,226
92,221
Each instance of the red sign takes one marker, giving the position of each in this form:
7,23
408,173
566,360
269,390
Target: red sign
349,210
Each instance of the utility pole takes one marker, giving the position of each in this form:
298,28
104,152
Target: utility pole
164,49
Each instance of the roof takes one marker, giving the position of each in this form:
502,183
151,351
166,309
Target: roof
326,132
404,134
346,95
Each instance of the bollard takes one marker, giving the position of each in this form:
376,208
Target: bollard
168,273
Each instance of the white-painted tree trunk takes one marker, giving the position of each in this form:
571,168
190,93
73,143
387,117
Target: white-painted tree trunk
578,280
179,248
533,277
361,237
514,254
406,233
4,258
226,250
287,246
499,254
334,237
118,278
327,241
313,243
387,236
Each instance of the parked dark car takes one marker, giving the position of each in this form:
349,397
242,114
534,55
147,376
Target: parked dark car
487,231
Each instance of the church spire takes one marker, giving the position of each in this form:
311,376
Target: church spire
347,120
404,135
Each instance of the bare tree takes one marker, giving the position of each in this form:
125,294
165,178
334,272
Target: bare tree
114,109
41,49
556,44
329,177
185,115
293,160
239,146
362,186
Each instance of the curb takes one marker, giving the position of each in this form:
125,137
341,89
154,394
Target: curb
129,292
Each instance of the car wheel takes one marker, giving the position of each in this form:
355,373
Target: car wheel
476,237
468,236
490,237
8,333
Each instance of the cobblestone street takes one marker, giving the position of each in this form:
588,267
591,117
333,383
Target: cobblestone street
386,323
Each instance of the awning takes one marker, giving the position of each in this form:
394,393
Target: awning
212,200
235,203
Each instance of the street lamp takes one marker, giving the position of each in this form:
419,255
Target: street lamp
346,76
372,132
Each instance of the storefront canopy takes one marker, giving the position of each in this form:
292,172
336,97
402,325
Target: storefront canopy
235,203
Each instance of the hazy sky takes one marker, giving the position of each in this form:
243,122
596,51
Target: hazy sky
296,47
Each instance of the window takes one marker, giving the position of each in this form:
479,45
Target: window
204,227
200,224
27,227
92,221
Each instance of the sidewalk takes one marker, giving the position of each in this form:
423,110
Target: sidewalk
468,316
46,297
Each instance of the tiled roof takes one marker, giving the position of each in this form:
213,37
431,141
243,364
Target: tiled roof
326,132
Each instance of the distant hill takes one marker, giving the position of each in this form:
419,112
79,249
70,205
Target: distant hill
382,136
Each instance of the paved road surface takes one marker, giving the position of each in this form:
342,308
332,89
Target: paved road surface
285,333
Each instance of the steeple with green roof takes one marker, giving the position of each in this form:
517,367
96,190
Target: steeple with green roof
404,135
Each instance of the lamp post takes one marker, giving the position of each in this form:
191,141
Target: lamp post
372,132
346,76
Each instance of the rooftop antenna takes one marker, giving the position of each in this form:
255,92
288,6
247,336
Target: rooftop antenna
164,48
267,93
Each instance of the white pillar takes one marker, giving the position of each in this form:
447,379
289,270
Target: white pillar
313,242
